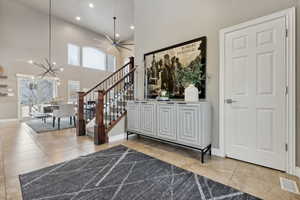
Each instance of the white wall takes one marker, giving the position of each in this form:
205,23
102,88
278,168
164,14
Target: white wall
161,23
24,36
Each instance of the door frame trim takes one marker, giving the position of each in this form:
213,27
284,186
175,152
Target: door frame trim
289,15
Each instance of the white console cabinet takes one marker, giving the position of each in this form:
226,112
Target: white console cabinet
182,123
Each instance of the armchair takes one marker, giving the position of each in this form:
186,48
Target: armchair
64,110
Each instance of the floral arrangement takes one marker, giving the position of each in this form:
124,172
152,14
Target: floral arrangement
192,74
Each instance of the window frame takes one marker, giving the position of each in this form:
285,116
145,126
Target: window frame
106,55
99,51
79,54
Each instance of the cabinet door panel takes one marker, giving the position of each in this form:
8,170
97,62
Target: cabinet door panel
133,117
148,119
187,131
166,122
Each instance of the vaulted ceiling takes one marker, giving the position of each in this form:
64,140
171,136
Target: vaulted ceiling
98,19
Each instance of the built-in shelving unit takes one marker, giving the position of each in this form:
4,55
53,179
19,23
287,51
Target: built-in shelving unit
3,94
3,86
3,77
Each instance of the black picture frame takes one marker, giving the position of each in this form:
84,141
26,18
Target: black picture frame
152,87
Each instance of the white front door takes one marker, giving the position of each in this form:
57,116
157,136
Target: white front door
255,89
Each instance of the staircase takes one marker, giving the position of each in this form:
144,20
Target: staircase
103,106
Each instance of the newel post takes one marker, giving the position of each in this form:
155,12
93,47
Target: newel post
100,136
80,125
131,59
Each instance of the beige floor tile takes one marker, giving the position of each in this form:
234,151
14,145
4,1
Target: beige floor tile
13,189
213,174
22,150
251,185
2,188
15,169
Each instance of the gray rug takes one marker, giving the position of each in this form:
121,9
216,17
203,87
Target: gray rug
120,173
40,127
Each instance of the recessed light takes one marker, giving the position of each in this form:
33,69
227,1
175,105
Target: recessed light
132,27
91,5
78,18
117,35
30,61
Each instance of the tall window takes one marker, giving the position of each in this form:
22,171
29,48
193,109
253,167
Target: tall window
93,58
73,88
111,63
73,55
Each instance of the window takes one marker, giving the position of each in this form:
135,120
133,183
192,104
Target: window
36,91
93,58
73,55
73,88
111,63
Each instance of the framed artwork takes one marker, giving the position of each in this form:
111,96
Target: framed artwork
170,69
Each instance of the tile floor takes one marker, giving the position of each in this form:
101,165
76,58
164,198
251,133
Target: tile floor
21,151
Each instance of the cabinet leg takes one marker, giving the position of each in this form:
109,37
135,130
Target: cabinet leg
202,157
127,135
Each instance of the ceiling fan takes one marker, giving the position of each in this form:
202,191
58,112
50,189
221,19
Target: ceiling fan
116,43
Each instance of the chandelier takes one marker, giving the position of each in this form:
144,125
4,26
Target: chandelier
50,68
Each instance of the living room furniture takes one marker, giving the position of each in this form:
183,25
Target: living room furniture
64,110
50,108
42,116
178,122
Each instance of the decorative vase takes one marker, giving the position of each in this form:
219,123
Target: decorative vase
191,93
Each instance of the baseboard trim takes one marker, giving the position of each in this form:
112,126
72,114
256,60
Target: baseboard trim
116,138
216,152
297,171
8,120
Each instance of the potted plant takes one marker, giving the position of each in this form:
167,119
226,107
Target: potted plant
189,77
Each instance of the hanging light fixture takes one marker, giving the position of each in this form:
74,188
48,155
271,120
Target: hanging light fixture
49,67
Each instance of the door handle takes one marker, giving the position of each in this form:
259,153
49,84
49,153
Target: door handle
230,101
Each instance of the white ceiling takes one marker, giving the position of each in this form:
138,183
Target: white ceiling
98,19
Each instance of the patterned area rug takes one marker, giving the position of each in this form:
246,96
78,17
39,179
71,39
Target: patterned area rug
125,174
40,127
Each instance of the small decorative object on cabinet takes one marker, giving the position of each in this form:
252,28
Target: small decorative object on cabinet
176,122
164,96
191,94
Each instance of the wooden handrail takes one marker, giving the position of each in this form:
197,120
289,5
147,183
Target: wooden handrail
106,79
100,111
119,81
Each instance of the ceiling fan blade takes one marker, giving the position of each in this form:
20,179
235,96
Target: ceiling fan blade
120,46
98,40
109,39
117,48
103,41
126,44
109,48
